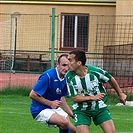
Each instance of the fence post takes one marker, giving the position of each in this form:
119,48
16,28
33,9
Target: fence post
53,37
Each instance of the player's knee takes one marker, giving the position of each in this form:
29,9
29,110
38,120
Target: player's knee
64,123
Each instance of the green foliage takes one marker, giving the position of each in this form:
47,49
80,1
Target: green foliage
129,97
15,117
113,98
19,90
15,113
24,91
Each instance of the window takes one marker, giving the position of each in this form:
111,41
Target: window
74,31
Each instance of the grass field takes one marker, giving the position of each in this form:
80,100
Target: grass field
15,117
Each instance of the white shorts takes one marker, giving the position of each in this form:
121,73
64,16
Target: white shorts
44,115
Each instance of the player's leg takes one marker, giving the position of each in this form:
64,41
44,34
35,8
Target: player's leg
64,131
82,122
56,117
104,119
50,118
71,128
82,128
64,124
59,120
108,127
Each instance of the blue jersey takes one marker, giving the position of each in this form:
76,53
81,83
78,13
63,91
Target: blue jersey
51,87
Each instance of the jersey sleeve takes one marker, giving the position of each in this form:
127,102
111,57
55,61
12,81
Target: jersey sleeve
41,85
101,74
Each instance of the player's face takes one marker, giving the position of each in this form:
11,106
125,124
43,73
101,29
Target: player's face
73,65
63,66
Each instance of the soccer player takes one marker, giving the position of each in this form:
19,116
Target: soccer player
48,96
85,85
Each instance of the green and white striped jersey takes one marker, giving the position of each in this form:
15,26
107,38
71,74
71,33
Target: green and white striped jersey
90,85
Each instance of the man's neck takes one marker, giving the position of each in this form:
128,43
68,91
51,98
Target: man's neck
61,76
82,71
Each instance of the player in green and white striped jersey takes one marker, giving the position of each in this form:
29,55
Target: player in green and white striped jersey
85,85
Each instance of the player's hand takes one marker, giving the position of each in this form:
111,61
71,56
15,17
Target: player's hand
98,97
122,98
56,104
71,114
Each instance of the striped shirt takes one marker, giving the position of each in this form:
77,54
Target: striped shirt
90,85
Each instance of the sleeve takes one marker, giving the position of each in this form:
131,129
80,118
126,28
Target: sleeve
101,74
104,75
42,84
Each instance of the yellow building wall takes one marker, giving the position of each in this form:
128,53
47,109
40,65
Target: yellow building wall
125,8
47,9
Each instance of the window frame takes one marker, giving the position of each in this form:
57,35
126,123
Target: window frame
75,31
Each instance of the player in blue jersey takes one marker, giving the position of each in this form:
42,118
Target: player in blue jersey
48,96
85,85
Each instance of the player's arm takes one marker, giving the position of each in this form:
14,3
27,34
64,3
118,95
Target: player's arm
66,107
80,98
115,85
106,77
53,104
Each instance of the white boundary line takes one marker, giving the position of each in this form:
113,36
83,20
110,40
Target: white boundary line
124,132
123,119
14,112
2,111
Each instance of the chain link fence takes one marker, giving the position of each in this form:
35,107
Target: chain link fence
25,42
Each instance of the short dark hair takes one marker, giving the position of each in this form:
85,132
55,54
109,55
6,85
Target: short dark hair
62,55
79,56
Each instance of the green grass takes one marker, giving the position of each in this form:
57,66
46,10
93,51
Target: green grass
18,90
15,116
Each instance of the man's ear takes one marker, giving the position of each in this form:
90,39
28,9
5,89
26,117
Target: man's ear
79,63
56,63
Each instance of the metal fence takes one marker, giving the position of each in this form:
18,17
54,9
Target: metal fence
26,42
